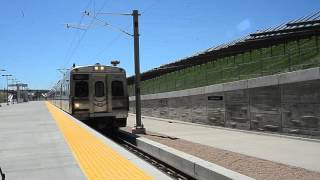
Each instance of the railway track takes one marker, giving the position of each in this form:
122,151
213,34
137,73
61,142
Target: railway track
127,141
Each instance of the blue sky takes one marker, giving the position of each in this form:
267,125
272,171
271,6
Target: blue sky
34,41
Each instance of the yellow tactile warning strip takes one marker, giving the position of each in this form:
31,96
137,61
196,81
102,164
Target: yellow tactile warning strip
96,159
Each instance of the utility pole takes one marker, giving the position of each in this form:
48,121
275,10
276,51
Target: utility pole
7,75
138,129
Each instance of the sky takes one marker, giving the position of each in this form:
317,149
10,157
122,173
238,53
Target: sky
34,40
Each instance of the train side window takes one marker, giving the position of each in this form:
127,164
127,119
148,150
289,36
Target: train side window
117,88
81,89
99,89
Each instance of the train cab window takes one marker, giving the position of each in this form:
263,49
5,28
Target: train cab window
81,89
117,88
99,89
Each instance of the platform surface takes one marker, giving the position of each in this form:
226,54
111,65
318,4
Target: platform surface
31,146
39,141
299,153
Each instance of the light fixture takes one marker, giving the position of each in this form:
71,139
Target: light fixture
76,105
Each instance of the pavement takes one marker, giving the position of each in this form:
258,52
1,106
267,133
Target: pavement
34,145
282,149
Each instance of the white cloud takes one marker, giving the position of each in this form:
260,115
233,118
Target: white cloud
244,25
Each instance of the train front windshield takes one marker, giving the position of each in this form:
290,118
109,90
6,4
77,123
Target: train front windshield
81,89
117,88
81,85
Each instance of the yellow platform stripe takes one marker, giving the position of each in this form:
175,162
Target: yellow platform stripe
96,159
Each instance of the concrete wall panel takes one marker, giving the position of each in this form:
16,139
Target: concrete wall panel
199,109
265,107
279,103
216,109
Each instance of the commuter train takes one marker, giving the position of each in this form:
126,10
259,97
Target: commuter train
94,94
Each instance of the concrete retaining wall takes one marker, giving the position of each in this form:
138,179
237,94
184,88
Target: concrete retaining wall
288,102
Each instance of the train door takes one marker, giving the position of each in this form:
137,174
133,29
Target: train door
99,93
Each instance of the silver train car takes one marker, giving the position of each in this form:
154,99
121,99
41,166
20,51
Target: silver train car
95,94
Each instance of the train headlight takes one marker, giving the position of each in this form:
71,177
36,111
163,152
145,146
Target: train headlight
76,105
102,68
96,68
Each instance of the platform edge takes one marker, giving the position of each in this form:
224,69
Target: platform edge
196,167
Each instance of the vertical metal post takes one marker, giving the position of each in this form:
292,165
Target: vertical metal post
4,90
138,129
299,50
317,46
61,91
175,80
206,74
18,92
317,42
289,59
7,92
239,71
261,63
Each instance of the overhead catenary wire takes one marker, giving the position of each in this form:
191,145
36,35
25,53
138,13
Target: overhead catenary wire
121,31
104,23
116,14
114,40
68,53
83,34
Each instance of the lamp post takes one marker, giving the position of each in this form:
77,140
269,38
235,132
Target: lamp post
7,75
2,70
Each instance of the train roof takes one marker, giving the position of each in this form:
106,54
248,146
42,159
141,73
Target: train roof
91,68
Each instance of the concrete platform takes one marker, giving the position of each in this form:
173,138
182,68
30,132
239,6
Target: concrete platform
32,146
297,152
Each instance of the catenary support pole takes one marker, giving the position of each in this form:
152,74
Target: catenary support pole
138,129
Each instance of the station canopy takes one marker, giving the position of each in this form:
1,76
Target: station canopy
303,27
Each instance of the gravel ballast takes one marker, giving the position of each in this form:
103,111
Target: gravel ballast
247,165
